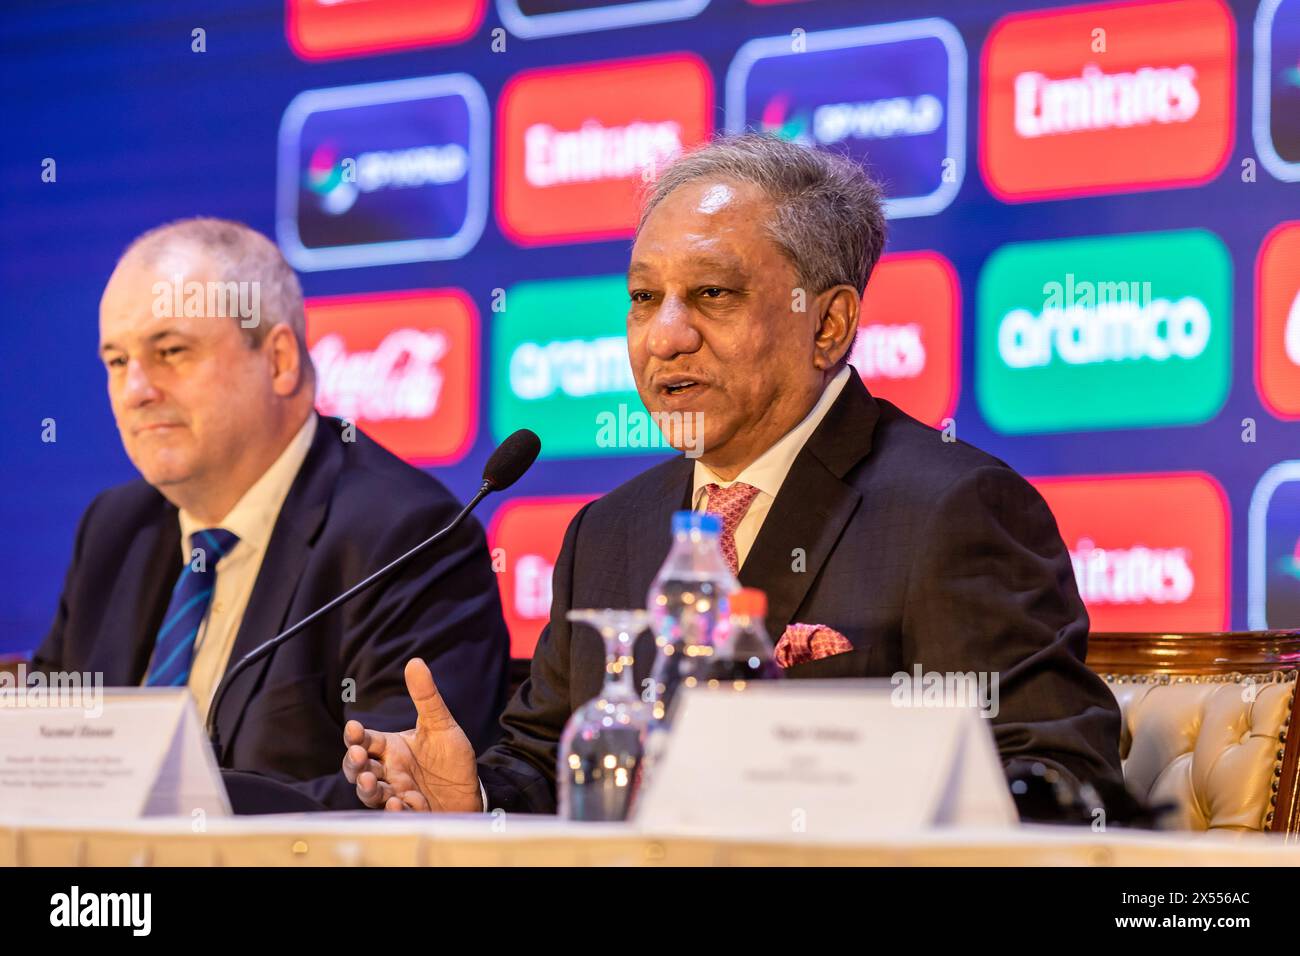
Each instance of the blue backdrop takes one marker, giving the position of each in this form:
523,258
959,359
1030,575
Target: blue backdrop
144,130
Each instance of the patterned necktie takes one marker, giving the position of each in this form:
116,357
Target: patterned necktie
730,504
174,647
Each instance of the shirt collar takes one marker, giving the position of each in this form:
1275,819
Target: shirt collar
767,472
254,514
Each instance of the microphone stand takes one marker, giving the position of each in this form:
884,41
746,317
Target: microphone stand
262,650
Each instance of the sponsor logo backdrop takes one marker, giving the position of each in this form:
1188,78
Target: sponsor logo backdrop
1091,271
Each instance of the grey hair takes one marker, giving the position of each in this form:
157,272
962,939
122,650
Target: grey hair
827,217
241,254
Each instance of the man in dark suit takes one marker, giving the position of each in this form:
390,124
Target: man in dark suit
252,512
909,549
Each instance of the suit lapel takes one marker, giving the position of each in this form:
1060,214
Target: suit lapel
650,527
300,520
153,560
648,540
812,508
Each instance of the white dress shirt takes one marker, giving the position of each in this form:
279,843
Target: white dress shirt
253,519
767,472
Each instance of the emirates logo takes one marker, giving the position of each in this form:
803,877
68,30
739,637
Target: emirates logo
1292,340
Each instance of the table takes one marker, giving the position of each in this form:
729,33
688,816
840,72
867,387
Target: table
377,839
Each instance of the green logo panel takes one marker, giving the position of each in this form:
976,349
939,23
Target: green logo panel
1130,331
560,366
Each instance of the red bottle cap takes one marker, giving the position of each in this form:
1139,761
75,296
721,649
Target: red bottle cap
749,602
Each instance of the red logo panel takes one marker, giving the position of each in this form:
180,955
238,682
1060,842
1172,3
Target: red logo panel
1150,552
403,366
576,143
1277,321
529,532
909,342
325,30
1107,98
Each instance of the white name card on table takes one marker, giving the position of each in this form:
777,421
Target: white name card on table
105,754
824,758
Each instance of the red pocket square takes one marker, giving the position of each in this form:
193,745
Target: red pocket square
809,642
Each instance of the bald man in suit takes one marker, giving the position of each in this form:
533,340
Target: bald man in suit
251,512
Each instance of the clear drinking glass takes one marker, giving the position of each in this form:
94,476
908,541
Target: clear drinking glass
601,750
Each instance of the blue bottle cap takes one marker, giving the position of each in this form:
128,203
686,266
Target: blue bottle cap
702,521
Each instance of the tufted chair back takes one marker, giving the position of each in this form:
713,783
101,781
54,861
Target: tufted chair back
1206,725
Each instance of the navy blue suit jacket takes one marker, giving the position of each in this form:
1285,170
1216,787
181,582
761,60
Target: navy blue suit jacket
918,550
352,508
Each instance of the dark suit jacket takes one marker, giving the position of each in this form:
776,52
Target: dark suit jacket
919,551
352,508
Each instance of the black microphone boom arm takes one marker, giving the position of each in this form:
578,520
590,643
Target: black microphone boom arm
262,650
505,465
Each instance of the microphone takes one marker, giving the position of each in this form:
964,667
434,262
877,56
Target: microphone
513,457
504,467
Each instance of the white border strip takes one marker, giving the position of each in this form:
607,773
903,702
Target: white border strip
382,253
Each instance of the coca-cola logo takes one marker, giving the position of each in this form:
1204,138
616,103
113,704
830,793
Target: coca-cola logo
400,378
402,366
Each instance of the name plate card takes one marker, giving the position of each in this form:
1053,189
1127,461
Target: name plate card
105,754
828,758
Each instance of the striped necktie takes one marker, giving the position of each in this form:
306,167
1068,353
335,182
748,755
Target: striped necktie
174,647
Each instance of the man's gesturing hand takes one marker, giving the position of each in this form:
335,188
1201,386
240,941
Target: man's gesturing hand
430,768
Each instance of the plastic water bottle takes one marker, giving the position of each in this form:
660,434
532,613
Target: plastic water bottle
689,605
744,652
